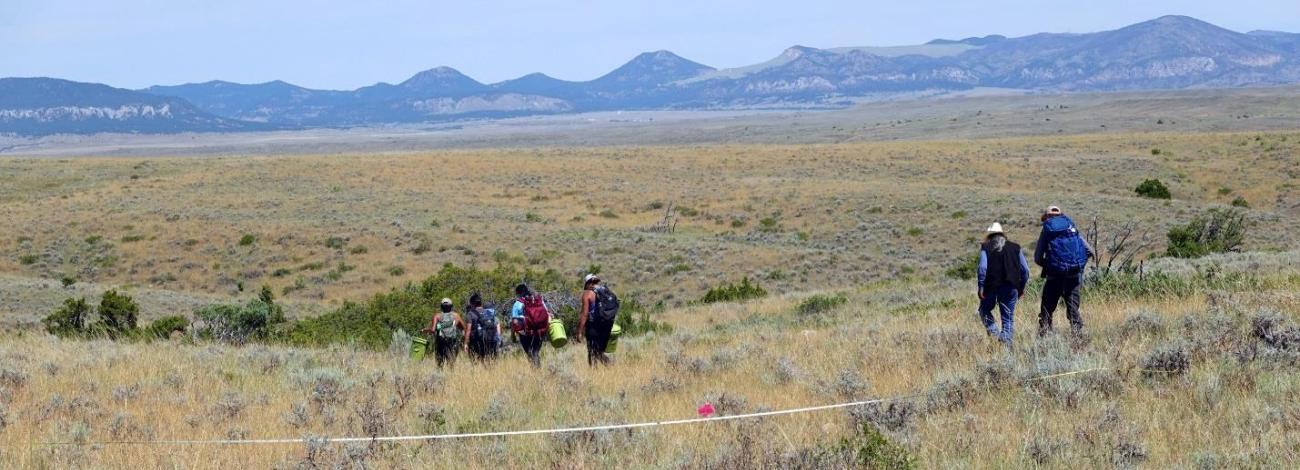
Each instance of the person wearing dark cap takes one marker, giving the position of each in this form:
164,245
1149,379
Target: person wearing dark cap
1063,254
528,322
1002,275
484,329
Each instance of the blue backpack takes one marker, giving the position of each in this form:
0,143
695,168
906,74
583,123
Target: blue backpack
1066,252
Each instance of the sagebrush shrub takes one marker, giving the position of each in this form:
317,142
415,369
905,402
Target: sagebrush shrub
1153,188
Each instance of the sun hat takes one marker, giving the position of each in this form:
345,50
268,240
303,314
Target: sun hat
588,278
995,228
446,301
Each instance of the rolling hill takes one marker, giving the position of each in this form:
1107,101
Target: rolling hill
1171,52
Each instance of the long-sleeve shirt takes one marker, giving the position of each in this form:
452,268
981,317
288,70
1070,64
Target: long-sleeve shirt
982,272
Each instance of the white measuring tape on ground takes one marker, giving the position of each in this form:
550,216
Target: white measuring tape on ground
606,427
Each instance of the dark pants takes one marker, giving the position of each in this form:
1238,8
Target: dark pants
446,350
1004,298
532,345
597,336
482,349
1056,289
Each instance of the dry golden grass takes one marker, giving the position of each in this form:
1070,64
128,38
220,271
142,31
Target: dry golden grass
840,215
1235,407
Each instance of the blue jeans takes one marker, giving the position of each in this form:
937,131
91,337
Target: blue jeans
1005,298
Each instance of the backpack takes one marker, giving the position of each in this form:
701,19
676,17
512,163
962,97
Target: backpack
606,308
484,324
445,326
536,317
1066,252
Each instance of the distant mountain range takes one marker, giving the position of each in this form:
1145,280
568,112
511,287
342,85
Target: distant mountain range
1171,52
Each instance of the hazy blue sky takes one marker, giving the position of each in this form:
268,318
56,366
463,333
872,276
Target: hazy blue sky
346,44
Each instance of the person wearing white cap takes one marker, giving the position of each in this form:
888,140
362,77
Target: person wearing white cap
1063,254
450,335
596,318
1002,275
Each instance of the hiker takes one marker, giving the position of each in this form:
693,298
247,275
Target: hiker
449,333
1003,273
485,331
530,320
596,318
1062,253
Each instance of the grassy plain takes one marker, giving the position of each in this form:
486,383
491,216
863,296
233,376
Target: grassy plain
321,229
1200,377
807,205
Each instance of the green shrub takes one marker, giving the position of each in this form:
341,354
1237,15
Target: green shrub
635,320
1216,231
359,250
27,259
396,271
247,240
915,231
746,290
768,224
608,214
1155,151
677,268
821,303
1240,202
336,243
132,238
163,327
70,320
93,239
1153,188
965,268
239,324
67,280
118,312
875,451
370,323
687,211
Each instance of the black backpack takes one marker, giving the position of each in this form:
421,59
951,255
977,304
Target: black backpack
484,324
606,309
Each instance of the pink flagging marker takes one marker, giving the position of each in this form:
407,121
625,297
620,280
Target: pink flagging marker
706,410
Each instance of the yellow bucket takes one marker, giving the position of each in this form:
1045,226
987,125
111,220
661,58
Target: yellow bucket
558,339
614,333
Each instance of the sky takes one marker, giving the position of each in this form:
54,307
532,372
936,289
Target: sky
348,44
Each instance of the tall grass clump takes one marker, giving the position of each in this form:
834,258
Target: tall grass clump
743,291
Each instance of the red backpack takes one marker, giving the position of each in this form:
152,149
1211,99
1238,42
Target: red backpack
536,317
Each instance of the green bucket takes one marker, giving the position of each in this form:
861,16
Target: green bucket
614,333
418,347
558,339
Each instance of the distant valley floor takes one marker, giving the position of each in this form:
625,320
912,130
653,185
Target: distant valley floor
954,117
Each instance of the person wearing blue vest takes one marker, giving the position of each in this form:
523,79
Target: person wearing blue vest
1063,254
1002,275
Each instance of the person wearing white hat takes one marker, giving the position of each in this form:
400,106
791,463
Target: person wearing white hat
1002,275
1063,253
450,335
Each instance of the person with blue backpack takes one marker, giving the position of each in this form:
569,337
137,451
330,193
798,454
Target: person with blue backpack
484,329
1063,254
1002,275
